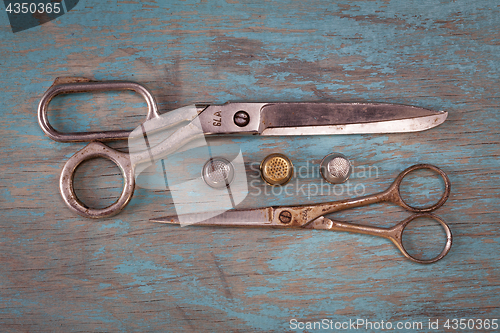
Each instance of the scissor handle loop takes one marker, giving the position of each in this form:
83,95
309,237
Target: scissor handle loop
80,85
395,195
95,150
399,229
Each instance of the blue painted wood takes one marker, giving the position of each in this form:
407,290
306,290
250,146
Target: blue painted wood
62,272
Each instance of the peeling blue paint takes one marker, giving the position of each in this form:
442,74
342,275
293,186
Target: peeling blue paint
125,274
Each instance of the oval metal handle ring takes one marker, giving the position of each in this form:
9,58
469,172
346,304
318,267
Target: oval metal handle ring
81,85
398,238
94,150
395,195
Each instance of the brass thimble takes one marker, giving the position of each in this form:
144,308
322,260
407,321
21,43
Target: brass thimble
276,169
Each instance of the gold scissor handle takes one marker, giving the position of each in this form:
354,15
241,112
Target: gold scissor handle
312,216
395,234
301,216
393,193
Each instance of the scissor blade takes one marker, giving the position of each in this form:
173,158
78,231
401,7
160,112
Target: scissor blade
241,217
317,118
390,126
346,118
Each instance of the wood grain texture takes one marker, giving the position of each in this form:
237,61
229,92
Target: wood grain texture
60,272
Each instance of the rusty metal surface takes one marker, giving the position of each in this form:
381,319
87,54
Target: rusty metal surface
60,272
72,85
229,118
313,216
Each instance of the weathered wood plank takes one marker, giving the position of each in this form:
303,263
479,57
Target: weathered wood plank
61,272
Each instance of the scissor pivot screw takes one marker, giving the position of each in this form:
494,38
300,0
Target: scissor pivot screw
285,217
241,118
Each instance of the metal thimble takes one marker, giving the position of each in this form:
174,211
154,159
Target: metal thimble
276,169
335,168
218,172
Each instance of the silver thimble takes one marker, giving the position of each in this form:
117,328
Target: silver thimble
218,172
335,168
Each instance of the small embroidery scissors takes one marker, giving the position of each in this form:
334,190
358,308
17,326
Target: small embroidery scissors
313,216
274,118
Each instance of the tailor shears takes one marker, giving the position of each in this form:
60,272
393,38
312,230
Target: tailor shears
273,118
313,216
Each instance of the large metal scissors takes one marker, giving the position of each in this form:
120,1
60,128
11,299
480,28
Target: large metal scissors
313,216
273,118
